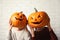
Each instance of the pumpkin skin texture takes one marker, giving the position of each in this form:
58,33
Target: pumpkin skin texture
38,19
19,20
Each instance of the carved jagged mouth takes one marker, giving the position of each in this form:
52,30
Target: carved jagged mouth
18,19
36,22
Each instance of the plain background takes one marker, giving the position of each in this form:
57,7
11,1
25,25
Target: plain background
8,7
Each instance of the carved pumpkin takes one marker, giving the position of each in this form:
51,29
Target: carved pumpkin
38,19
18,19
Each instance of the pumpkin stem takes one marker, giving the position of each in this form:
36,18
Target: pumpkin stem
36,10
21,12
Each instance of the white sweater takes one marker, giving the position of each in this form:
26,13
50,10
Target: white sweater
14,34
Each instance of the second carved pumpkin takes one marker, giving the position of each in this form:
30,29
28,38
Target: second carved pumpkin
38,19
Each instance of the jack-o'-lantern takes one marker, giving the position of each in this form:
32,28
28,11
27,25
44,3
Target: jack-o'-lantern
18,19
38,19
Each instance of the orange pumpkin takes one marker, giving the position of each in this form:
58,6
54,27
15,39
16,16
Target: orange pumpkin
38,19
18,19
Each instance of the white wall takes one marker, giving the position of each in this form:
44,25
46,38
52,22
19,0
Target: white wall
8,7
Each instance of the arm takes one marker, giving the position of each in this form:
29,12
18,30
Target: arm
52,34
10,35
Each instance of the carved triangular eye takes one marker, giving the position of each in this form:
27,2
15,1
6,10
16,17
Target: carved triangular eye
38,16
16,18
20,16
31,17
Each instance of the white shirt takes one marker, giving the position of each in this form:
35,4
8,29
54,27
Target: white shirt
19,35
